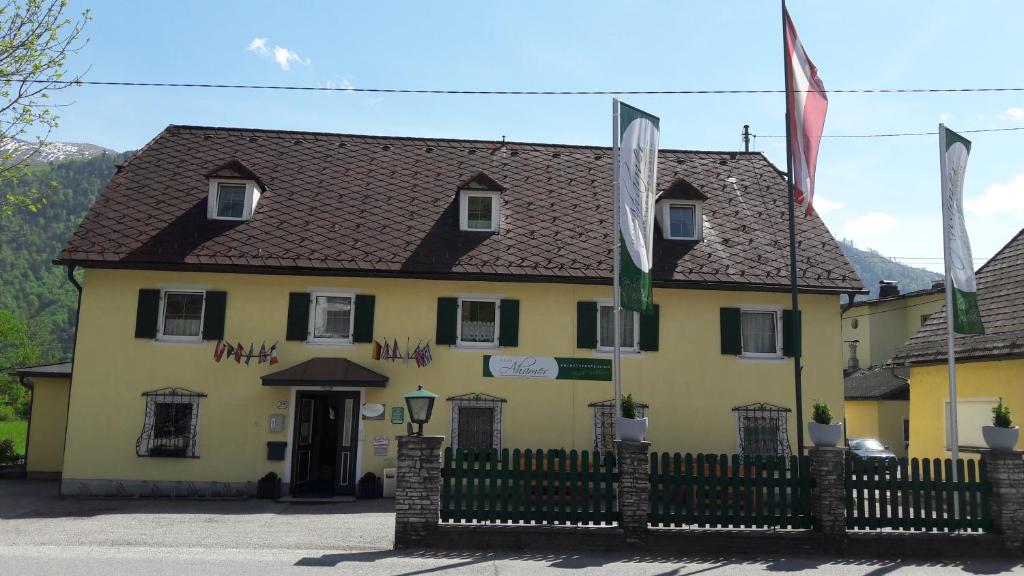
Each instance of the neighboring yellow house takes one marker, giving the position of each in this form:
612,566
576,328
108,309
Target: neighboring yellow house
877,397
48,410
988,367
328,252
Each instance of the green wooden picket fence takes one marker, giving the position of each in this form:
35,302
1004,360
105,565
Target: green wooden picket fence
529,487
916,495
719,491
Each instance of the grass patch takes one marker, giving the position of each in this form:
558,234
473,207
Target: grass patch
18,430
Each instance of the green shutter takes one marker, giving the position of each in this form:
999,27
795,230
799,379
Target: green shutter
586,325
147,313
649,325
298,316
732,342
509,330
214,314
790,338
447,316
362,329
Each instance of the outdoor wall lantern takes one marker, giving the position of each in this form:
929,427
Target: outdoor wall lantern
420,403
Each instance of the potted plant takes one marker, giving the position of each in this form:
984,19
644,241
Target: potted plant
823,432
1002,435
630,427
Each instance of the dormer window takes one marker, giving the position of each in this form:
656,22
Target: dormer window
680,212
480,204
479,211
230,200
234,192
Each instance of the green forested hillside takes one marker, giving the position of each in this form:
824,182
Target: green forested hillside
872,267
32,289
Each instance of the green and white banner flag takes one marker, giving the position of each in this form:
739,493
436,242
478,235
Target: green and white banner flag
637,181
959,264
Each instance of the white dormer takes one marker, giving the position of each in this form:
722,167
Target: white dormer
480,204
234,192
679,212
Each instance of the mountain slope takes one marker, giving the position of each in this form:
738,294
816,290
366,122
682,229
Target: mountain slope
51,151
872,267
31,287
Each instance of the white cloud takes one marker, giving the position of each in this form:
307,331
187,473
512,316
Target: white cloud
823,205
1015,114
1000,198
283,56
863,227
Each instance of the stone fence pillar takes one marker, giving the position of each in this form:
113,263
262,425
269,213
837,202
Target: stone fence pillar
1005,472
634,488
417,489
828,495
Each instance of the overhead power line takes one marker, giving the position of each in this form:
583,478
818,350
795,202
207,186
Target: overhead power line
506,92
897,134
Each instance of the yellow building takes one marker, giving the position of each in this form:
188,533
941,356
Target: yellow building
48,410
261,301
988,367
878,406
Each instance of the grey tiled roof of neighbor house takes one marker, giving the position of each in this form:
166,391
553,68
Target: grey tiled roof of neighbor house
1001,302
60,370
878,383
341,204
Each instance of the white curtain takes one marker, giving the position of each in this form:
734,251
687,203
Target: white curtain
758,332
333,317
607,326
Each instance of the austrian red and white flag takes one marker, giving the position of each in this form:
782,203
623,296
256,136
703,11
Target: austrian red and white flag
806,103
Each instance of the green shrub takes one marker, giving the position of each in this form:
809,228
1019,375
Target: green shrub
628,407
822,415
7,453
1001,415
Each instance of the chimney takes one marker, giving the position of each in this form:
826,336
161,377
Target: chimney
938,284
854,363
887,288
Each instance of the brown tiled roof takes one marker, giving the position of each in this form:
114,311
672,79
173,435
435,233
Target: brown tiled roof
347,204
878,383
1001,302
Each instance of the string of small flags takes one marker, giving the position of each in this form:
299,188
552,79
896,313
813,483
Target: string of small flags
391,351
237,353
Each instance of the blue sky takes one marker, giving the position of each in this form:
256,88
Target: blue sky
881,193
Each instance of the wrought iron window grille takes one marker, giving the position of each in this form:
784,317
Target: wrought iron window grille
477,400
171,423
762,430
604,423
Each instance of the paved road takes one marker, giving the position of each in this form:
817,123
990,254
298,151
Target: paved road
42,534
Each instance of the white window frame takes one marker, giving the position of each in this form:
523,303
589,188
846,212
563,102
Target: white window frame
465,195
635,348
252,197
497,323
664,217
778,333
311,333
160,336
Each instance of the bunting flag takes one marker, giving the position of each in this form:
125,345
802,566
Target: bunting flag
955,150
396,352
376,350
636,190
263,354
417,354
427,357
386,354
806,104
405,357
238,352
273,354
218,351
249,355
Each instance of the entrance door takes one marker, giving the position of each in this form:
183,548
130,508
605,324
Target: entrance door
326,438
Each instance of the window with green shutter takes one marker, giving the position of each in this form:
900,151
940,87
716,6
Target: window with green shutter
298,316
730,331
508,311
791,338
147,314
447,321
214,315
362,330
650,326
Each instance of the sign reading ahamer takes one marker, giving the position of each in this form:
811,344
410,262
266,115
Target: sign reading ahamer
547,368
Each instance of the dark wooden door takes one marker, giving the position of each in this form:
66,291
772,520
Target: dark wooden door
347,441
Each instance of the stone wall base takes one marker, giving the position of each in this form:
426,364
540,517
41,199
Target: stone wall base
90,487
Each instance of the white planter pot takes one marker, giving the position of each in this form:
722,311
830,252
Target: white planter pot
825,435
631,430
1000,439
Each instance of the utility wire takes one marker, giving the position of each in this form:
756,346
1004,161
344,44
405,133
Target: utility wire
506,92
926,302
898,134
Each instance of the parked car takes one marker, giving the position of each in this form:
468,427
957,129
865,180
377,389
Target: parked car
869,448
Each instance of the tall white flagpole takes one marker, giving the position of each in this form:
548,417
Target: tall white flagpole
616,303
954,430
